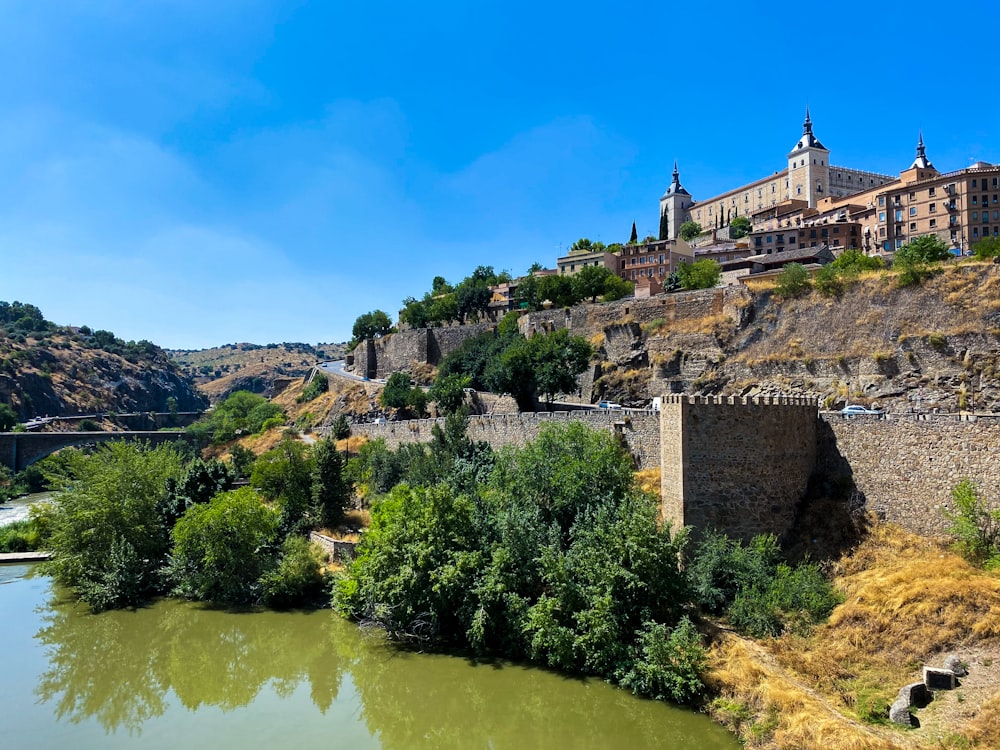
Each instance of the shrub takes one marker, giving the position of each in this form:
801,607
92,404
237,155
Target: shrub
668,664
19,536
793,281
222,549
298,579
108,538
975,527
318,385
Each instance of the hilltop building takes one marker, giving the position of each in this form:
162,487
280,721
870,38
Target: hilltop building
811,203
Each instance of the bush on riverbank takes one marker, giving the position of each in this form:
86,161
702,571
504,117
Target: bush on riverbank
19,536
134,522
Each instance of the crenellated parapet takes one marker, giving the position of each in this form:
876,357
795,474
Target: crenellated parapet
797,400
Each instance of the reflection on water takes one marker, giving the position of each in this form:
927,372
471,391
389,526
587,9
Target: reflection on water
141,675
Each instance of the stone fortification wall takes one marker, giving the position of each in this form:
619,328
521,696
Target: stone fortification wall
584,320
640,429
906,465
399,351
736,464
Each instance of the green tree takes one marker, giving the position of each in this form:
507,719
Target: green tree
341,427
108,538
702,274
448,392
284,475
928,248
591,281
740,227
331,492
792,281
242,413
689,230
397,389
557,359
371,325
415,313
222,549
8,418
298,578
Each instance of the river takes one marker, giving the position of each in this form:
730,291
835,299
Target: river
17,509
178,674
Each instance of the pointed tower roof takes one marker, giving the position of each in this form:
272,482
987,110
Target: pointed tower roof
675,185
921,162
808,140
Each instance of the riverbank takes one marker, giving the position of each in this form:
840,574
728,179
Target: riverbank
7,558
909,602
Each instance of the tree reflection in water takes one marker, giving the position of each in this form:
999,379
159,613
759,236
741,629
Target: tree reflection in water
124,668
120,666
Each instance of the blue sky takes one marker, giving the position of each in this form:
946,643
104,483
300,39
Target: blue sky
199,173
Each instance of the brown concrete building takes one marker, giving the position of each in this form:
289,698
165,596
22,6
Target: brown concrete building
653,259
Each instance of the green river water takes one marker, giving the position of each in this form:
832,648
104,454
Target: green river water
180,675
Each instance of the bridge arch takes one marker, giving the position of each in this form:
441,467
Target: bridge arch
18,450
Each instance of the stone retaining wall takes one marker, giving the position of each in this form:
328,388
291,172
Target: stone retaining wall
639,428
906,465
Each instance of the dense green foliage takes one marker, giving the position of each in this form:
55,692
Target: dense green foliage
831,278
242,413
793,281
223,548
448,392
464,302
986,248
8,418
399,393
975,527
133,522
108,536
702,274
761,595
318,385
740,227
916,259
20,536
551,555
689,230
371,325
341,427
507,362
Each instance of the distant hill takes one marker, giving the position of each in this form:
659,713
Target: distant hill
49,369
221,370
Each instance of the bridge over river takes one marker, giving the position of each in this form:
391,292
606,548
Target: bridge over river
19,450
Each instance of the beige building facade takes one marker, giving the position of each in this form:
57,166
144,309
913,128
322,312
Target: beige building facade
811,203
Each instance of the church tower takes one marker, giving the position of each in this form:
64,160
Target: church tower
921,169
808,167
673,206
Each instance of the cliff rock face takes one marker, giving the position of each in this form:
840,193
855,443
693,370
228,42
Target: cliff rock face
60,374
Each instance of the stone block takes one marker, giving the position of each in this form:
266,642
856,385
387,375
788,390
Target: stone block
955,665
939,679
899,712
915,694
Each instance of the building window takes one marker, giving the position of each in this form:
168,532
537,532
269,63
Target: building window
913,226
756,241
932,208
975,231
933,223
899,243
913,195
798,190
770,239
881,200
975,200
974,184
899,215
930,192
913,210
995,182
881,215
975,216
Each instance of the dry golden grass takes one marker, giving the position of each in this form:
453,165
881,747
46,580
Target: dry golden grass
597,340
649,481
908,601
710,324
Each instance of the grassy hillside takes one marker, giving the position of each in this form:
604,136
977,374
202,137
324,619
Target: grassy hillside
253,367
908,602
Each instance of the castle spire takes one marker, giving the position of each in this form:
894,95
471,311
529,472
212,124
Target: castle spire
807,126
675,184
921,162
